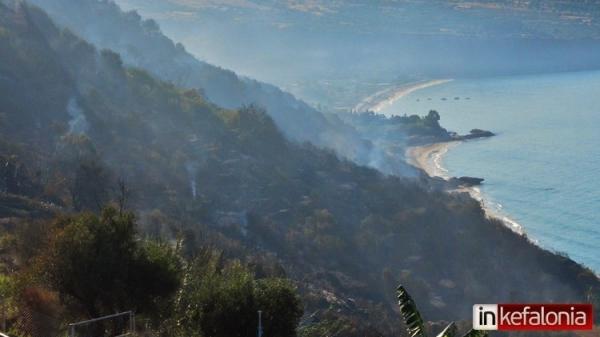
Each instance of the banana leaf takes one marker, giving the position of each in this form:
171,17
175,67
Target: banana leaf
476,333
449,331
410,314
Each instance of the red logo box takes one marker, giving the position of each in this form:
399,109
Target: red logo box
533,317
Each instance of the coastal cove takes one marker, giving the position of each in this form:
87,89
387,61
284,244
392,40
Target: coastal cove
430,158
540,170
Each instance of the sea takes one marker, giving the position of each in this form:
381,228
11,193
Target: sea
542,169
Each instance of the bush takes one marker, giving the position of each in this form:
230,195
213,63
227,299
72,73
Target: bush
97,262
223,301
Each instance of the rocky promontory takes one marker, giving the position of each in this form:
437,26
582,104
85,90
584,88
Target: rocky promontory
473,134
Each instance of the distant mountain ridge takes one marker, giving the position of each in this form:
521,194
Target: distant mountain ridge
335,53
537,19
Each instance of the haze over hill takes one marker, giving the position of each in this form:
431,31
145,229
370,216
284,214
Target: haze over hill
142,44
329,52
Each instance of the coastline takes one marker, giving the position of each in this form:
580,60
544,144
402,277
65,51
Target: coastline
429,158
388,96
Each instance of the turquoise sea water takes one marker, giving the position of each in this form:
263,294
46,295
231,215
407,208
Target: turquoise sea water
543,167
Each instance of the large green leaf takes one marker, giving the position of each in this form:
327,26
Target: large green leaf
410,314
476,333
449,331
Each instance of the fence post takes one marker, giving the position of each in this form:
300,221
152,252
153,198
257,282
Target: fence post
132,322
3,315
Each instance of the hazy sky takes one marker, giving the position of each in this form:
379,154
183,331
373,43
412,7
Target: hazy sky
290,42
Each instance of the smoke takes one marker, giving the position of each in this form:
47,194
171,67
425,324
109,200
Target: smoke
191,167
233,219
386,158
78,123
244,222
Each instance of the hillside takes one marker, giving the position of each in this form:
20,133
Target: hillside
142,44
76,120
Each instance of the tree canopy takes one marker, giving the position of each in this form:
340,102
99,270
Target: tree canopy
98,262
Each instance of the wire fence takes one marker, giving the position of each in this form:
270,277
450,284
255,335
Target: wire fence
38,321
116,325
32,323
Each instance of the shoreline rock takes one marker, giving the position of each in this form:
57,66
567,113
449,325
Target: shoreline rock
473,134
466,181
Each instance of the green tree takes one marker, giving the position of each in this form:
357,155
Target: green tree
432,118
222,300
280,305
97,262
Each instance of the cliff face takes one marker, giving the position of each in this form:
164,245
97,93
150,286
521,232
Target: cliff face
76,120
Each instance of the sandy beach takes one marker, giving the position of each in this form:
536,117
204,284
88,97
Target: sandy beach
429,158
386,97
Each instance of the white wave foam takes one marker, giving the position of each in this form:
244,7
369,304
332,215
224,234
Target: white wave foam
437,159
495,210
491,209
